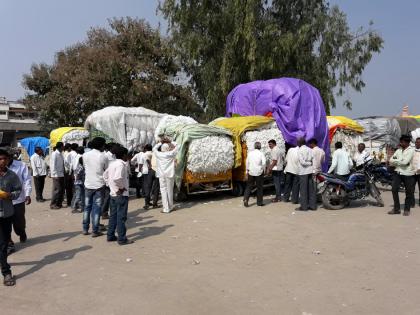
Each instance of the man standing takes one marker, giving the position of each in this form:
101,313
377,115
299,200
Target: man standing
306,173
292,176
18,219
148,175
69,159
341,162
276,168
416,164
105,205
255,166
319,156
155,183
95,164
116,176
362,155
139,174
10,189
57,175
79,180
165,153
404,173
39,172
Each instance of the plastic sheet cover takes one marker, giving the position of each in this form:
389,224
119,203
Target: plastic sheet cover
407,124
296,106
129,126
57,134
32,142
381,130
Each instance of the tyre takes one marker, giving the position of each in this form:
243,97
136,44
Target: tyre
180,195
238,189
374,191
334,199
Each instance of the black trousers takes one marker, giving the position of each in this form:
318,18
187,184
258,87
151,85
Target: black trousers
409,184
39,182
417,181
148,186
307,192
106,202
251,182
291,187
69,185
18,219
5,235
155,190
139,187
57,191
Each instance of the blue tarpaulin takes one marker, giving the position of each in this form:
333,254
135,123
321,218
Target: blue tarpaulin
31,143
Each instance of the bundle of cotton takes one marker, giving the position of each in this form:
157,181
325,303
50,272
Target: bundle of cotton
210,155
76,135
263,135
171,120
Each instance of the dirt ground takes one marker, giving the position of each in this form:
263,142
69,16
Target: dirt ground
213,256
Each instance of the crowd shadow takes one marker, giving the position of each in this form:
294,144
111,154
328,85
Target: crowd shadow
48,260
66,236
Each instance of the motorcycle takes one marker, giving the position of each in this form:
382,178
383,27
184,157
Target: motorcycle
337,192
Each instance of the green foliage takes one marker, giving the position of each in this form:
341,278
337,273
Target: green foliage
223,43
129,64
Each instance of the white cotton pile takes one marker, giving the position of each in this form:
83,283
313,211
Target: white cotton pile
350,141
75,136
210,155
171,120
263,135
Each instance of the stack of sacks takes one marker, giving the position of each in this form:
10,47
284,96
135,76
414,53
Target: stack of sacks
75,136
349,140
210,155
171,120
263,135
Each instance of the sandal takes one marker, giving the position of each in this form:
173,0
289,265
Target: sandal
9,281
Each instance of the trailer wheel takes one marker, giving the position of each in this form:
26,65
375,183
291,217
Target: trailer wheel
180,195
238,189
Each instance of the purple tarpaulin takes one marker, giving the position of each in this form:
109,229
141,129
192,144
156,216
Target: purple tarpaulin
296,106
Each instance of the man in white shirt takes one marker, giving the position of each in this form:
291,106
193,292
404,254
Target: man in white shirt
18,219
95,163
255,167
362,155
145,164
107,199
137,158
292,176
69,159
165,154
116,177
39,172
306,177
57,175
416,164
341,162
319,156
276,168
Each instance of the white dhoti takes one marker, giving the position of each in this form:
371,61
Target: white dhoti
167,192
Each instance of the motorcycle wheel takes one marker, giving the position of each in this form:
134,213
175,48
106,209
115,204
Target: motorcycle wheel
374,191
333,200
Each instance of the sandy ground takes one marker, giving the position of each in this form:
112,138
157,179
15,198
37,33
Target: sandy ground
214,256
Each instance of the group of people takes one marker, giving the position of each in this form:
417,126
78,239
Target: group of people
294,173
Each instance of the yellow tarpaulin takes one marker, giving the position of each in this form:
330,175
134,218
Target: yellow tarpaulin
57,134
239,125
344,122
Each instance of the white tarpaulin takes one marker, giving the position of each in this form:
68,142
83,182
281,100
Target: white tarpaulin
171,120
129,126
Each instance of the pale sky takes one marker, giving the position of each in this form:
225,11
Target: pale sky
31,31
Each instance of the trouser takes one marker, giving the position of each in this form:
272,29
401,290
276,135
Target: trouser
409,184
39,182
106,202
68,186
255,180
139,187
57,191
307,192
147,186
18,219
167,192
417,181
5,236
118,217
78,201
155,190
277,179
93,206
291,187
